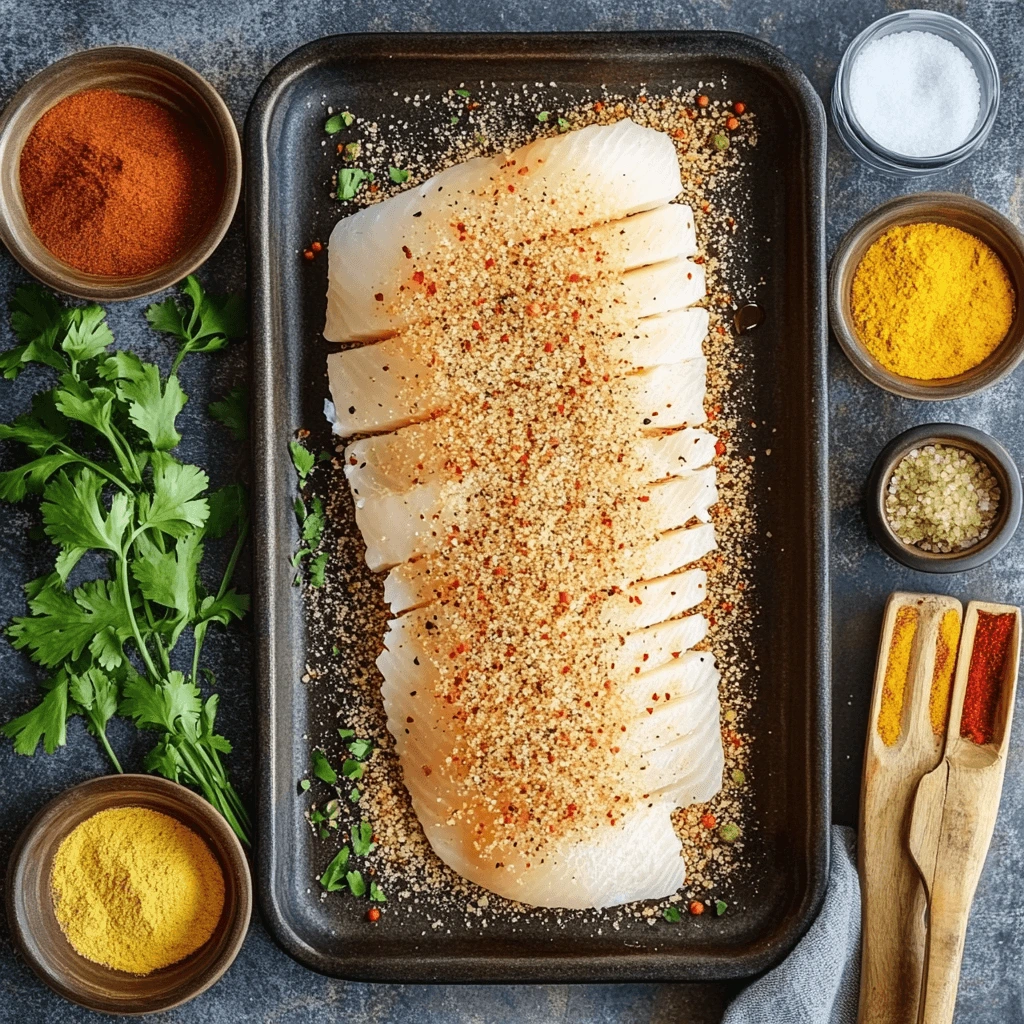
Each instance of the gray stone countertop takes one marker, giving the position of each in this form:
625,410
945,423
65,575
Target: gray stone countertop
235,45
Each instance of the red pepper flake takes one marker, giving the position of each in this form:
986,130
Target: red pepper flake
523,170
708,820
599,106
379,296
739,107
563,597
985,676
316,247
418,277
727,606
703,101
696,907
504,337
407,251
548,347
488,263
566,670
432,288
533,309
427,770
476,325
561,408
373,915
644,497
511,188
500,571
732,123
307,254
574,278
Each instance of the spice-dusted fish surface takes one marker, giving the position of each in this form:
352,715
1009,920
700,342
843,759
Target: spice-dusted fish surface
538,484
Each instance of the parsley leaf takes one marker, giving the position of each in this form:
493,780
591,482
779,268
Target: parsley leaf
349,181
207,326
543,116
74,517
352,770
377,894
37,319
87,334
95,696
672,915
152,409
356,883
46,722
233,412
174,507
333,877
322,769
398,175
464,93
360,749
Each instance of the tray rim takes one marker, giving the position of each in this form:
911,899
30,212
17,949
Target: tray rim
626,966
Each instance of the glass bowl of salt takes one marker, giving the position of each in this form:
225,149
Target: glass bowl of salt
916,92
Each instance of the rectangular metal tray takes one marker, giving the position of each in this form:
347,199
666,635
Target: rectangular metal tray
775,899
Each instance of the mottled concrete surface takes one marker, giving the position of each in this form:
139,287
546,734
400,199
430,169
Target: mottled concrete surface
235,44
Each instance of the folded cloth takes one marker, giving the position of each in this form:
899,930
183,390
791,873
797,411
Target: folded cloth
818,982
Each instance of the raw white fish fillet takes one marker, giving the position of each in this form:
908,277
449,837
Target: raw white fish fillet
615,171
414,483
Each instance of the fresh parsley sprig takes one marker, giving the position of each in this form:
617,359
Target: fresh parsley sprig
97,448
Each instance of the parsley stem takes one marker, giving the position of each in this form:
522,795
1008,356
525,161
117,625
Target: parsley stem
122,571
96,468
102,735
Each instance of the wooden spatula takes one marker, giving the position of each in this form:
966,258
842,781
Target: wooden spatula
892,892
953,817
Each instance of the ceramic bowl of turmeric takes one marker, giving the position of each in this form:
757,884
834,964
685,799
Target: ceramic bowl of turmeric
925,296
128,894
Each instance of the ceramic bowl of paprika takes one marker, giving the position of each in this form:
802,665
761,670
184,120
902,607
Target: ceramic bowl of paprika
191,102
37,933
984,448
970,215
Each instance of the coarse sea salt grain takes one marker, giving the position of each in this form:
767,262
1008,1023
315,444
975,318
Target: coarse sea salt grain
915,93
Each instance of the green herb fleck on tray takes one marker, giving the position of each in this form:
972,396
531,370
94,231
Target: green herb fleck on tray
738,777
672,915
335,123
353,770
356,884
563,125
377,894
333,878
349,181
304,785
721,907
721,141
362,836
543,116
729,832
322,769
233,412
360,749
399,175
464,93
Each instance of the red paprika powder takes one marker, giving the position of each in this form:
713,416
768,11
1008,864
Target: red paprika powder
117,185
985,676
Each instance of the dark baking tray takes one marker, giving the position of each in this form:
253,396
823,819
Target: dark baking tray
774,900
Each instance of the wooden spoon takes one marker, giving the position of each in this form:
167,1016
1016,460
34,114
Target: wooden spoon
893,897
953,817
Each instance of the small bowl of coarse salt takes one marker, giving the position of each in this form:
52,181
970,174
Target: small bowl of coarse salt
916,92
944,497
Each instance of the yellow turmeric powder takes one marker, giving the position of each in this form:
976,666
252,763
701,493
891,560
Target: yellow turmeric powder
942,677
931,301
136,890
897,672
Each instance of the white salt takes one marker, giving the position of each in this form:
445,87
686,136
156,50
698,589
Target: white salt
915,93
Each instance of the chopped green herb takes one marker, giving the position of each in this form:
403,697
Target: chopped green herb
334,124
346,733
563,124
377,894
462,92
302,459
332,809
543,116
672,915
324,834
323,457
356,884
354,795
317,816
738,777
721,141
304,785
721,907
399,175
322,769
729,832
318,569
353,769
454,119
479,139
349,180
352,151
233,412
359,749
362,834
333,877
313,524
335,650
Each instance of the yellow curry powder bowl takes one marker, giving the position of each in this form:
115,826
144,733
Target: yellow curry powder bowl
970,215
33,919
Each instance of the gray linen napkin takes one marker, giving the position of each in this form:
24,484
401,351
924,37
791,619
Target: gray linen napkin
817,983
